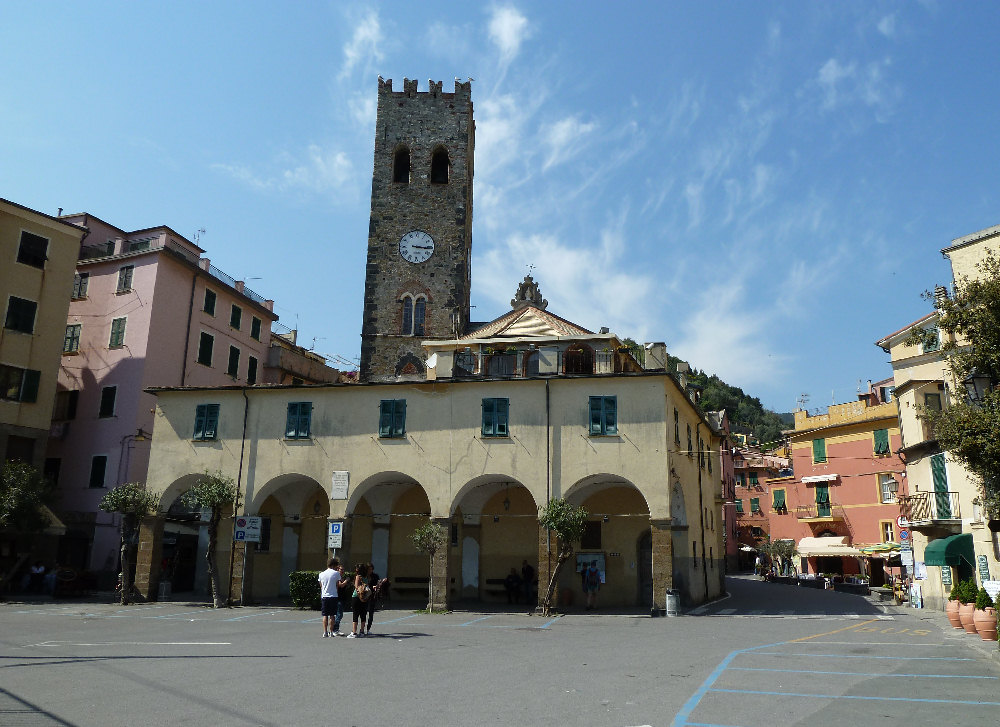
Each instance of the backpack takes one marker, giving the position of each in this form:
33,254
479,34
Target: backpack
364,592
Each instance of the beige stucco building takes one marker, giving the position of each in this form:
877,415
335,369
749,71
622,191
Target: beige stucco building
477,452
953,538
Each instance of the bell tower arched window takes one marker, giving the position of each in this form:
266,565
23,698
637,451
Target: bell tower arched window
414,312
401,166
440,167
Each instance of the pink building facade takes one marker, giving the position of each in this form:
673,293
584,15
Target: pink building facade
845,489
147,310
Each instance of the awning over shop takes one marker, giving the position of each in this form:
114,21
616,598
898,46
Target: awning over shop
826,547
880,550
820,478
951,550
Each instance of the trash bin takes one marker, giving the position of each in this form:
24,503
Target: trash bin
673,602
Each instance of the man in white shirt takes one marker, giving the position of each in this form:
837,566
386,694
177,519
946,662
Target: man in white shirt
328,580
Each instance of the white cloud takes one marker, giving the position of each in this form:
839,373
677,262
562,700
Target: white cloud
563,138
508,28
887,25
829,78
842,85
363,47
316,171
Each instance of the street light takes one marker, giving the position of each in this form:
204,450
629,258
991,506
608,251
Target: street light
977,386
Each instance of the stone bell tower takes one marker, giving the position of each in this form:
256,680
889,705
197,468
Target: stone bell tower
420,233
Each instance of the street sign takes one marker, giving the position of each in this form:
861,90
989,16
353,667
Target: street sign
906,558
904,535
247,529
946,575
335,536
902,522
984,567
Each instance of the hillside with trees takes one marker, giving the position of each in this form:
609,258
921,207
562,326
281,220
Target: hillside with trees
746,414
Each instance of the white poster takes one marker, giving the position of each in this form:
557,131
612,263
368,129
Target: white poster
338,488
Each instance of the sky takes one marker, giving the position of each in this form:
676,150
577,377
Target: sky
763,186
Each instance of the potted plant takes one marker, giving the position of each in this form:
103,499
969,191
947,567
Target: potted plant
985,616
951,610
967,599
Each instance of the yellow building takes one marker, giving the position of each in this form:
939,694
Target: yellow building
952,536
475,450
38,254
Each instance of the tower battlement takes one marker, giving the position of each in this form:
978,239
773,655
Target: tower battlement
463,91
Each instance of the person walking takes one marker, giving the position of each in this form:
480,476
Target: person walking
328,596
359,599
591,584
372,581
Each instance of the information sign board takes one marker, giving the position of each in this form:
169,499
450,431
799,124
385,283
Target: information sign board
984,567
338,487
946,576
247,529
335,536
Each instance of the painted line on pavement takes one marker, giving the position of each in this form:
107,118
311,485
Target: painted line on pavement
476,620
863,656
859,673
133,643
252,615
681,718
859,697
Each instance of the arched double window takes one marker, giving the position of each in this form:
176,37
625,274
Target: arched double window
440,166
401,166
414,310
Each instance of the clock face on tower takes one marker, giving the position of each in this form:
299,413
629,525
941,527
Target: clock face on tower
416,246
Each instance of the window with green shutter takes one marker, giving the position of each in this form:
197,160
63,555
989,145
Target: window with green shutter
739,506
205,345
881,437
754,504
299,420
109,395
753,478
80,284
117,339
209,306
206,421
17,384
125,274
98,467
495,417
29,386
823,501
779,500
20,314
236,317
233,369
819,450
603,415
71,342
251,370
255,328
392,418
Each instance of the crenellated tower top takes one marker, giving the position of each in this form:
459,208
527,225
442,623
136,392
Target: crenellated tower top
463,91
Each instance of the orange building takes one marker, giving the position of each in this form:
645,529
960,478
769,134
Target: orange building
754,470
843,498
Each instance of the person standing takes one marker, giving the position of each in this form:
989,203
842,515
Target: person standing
359,599
528,582
372,581
328,596
343,582
591,584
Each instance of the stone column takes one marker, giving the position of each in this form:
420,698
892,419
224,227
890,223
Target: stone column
148,557
441,571
663,561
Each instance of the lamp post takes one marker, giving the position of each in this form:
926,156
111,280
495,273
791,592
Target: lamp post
977,386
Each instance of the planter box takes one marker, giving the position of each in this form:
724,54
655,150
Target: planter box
819,583
785,580
860,589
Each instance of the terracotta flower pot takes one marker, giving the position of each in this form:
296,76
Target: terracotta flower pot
986,623
965,615
951,610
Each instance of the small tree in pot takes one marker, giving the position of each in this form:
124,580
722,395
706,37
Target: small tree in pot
566,521
213,492
133,502
429,538
985,616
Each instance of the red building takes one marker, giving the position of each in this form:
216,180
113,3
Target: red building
754,471
843,496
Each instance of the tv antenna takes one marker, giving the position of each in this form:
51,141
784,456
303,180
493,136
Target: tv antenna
197,236
802,401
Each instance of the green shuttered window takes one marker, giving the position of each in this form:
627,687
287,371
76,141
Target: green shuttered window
819,450
298,420
881,441
603,415
206,421
392,418
495,417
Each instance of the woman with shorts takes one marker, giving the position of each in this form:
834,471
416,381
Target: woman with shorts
359,607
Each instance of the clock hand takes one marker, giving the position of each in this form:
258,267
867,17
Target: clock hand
421,247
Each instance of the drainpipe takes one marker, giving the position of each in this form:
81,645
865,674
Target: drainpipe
187,338
548,476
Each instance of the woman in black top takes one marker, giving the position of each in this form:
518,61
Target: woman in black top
359,607
372,604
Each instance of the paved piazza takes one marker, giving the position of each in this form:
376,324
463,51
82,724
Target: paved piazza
766,656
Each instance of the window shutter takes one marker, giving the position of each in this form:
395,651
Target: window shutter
754,504
29,386
610,415
739,506
779,499
399,418
305,418
488,417
881,441
291,420
200,415
939,473
502,407
819,450
595,415
385,418
211,420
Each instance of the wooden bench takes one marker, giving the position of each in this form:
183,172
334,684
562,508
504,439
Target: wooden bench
498,588
411,585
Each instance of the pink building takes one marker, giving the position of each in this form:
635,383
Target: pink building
844,494
147,310
754,470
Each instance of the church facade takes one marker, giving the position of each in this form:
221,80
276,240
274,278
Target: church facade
475,426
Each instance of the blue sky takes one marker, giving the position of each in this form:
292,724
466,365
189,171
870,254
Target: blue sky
764,186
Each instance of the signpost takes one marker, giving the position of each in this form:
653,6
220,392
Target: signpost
247,529
984,568
335,536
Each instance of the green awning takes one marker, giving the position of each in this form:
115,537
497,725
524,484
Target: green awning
951,550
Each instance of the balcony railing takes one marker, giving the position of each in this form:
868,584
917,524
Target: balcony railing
930,507
817,511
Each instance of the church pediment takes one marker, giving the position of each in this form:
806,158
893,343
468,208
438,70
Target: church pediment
528,321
